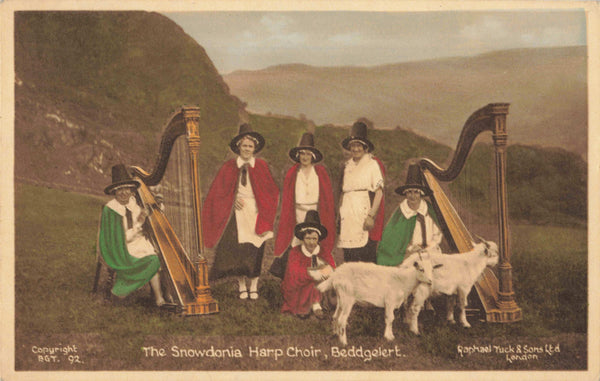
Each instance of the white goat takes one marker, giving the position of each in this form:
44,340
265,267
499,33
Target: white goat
457,277
382,286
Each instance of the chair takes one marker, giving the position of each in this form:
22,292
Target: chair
100,263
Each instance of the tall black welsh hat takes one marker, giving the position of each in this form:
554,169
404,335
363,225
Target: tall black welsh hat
414,180
120,178
307,143
358,132
246,130
311,222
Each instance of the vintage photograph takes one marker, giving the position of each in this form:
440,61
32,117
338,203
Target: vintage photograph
237,192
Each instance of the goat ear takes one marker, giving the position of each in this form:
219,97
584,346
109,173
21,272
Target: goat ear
438,265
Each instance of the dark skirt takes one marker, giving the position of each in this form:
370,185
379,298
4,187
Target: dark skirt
280,264
367,253
235,259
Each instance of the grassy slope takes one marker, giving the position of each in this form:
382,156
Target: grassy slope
545,186
116,76
118,62
55,262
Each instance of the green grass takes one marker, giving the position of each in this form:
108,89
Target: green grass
55,263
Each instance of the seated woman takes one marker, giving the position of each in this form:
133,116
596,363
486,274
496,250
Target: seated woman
413,225
307,264
121,241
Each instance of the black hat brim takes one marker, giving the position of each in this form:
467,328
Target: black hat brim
294,153
112,187
322,230
346,143
259,146
404,188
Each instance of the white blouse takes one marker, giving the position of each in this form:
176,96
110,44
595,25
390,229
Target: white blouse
433,235
362,176
307,187
137,244
247,216
306,196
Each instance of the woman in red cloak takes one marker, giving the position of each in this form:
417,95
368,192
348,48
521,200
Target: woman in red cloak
307,264
239,212
306,186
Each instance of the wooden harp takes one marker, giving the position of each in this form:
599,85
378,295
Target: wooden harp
495,292
176,221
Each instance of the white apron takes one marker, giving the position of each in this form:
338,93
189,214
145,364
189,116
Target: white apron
246,217
359,179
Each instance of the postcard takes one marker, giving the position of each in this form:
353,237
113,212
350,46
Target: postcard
351,190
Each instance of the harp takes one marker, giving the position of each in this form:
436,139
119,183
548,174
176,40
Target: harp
494,292
175,214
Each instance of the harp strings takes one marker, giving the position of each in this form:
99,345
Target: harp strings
473,192
178,197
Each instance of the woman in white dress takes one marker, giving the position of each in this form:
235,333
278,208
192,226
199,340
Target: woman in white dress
361,206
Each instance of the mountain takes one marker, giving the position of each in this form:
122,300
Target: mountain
95,88
546,87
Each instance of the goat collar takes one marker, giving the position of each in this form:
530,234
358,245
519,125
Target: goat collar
408,212
306,253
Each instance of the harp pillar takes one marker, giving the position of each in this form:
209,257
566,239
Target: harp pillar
204,302
508,309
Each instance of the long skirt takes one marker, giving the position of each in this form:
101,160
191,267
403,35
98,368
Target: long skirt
236,259
367,253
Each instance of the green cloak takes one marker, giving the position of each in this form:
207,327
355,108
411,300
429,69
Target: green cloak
132,272
397,236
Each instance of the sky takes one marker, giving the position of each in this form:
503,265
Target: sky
256,40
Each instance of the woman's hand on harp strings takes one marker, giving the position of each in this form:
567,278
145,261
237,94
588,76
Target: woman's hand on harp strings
142,217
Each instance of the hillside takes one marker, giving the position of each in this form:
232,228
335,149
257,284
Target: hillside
547,89
95,88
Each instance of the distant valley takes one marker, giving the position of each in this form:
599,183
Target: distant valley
546,87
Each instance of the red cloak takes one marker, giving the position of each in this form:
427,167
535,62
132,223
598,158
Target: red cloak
377,231
219,201
298,288
287,217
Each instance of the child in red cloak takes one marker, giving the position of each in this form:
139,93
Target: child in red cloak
307,265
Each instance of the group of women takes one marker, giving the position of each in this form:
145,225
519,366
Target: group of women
239,212
307,222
